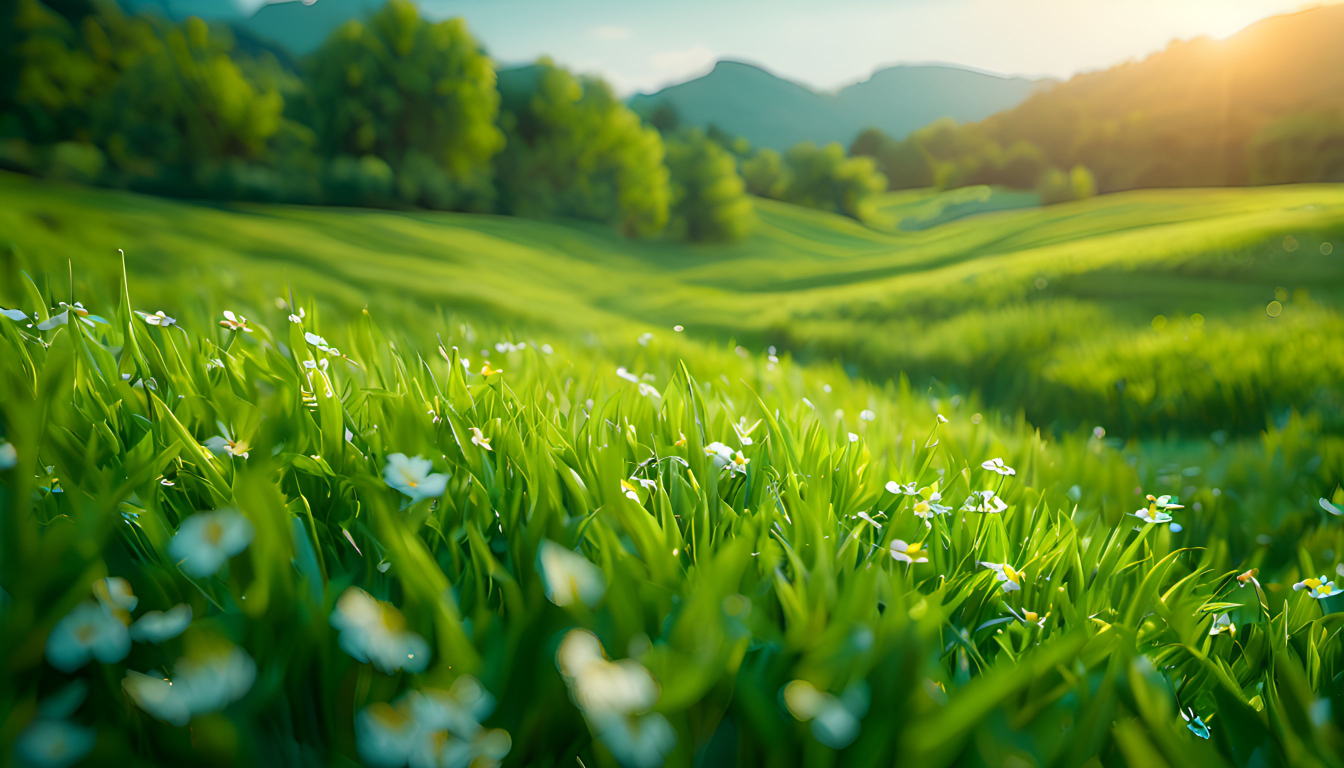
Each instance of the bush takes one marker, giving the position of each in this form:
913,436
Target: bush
366,180
75,161
823,178
574,149
420,95
765,175
709,200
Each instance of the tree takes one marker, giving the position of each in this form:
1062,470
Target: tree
1057,187
410,92
709,200
822,177
183,102
574,149
1082,182
765,175
1305,147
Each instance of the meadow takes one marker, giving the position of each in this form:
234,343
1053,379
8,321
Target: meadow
466,489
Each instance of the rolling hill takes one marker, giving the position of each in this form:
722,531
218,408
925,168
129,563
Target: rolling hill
1189,115
770,111
1051,310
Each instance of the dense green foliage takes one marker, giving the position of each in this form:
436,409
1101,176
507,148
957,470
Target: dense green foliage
815,177
1147,314
709,200
1304,147
421,96
1259,107
576,150
945,155
195,111
391,111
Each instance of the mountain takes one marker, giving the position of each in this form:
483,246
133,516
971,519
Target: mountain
302,27
211,10
901,99
1265,105
770,111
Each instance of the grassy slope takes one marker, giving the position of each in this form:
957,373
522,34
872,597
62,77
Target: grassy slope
797,263
820,607
1013,304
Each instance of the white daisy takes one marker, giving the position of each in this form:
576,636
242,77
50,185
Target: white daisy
89,631
909,489
224,444
996,465
602,686
720,453
49,743
235,322
569,576
158,626
911,553
386,735
115,594
412,476
158,318
984,501
212,680
479,438
1318,588
374,631
1152,515
206,540
1007,576
1223,623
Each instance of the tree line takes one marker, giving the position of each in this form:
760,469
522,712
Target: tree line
391,111
947,154
1265,106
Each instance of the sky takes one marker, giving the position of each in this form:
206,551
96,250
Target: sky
641,45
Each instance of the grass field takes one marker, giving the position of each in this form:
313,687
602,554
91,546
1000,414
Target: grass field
1166,342
1087,304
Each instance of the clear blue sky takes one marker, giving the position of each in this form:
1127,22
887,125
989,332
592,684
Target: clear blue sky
642,44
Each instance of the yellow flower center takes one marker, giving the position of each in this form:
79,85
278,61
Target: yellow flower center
387,716
1013,575
1031,616
914,549
392,620
213,532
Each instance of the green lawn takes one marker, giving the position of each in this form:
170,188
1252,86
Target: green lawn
568,515
1060,301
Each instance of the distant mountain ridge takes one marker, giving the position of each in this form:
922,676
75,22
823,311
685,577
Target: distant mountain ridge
301,27
771,111
740,98
298,26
